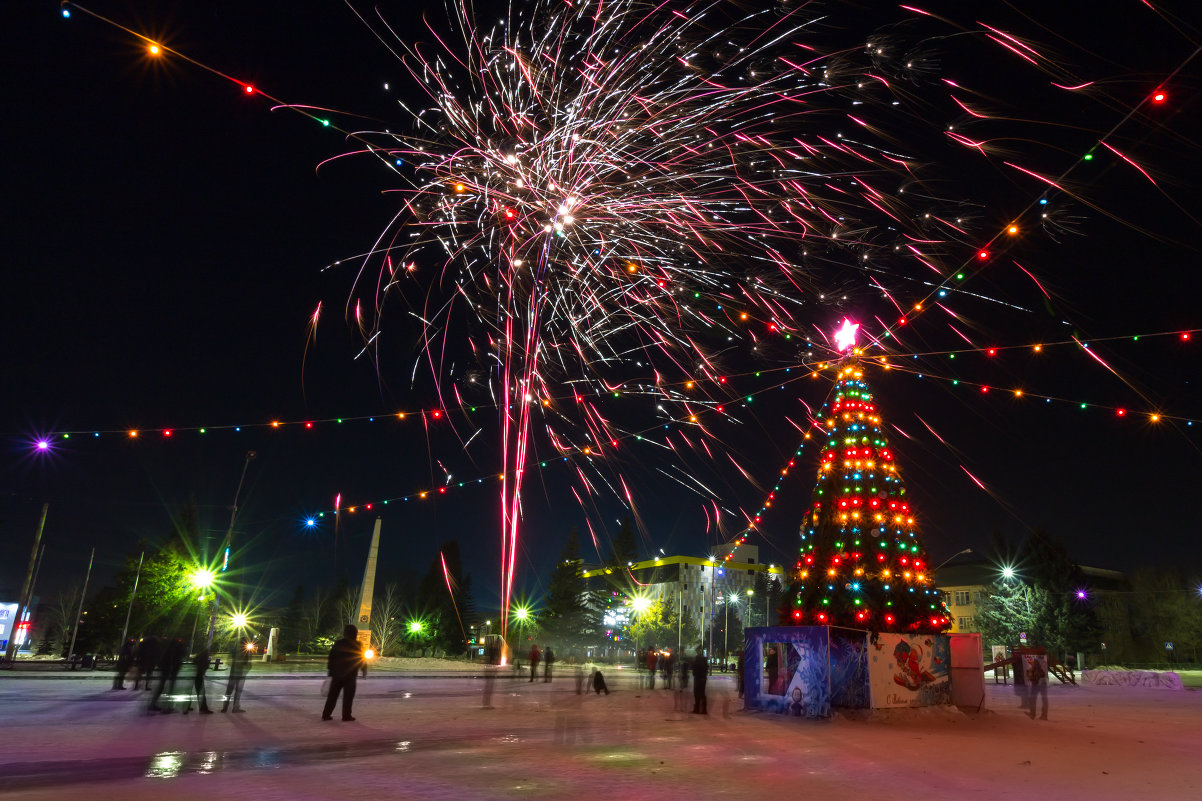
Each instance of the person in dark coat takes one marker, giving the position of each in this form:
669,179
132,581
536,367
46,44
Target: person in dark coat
535,655
148,657
700,671
548,661
201,661
239,667
169,667
739,678
125,660
345,660
599,683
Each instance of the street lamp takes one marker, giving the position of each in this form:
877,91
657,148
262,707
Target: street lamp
229,541
953,556
734,599
200,579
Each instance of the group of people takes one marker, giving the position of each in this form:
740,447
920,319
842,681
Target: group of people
167,657
546,656
346,661
663,662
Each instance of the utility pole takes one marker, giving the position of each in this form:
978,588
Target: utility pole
10,653
79,613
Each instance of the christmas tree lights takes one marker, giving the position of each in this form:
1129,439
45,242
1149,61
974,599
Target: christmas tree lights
862,564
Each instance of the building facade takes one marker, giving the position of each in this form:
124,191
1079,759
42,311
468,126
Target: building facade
697,586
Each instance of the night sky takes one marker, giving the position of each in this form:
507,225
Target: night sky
165,239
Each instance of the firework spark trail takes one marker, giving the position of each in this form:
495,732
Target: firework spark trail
621,190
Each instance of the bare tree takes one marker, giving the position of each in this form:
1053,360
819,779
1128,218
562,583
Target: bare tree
314,611
386,624
348,608
59,620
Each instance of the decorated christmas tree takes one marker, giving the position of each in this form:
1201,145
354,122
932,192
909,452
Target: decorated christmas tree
862,564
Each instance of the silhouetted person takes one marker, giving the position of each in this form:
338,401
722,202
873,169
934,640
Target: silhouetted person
169,666
534,657
148,657
700,671
548,661
201,661
125,660
739,678
490,678
599,683
239,667
577,675
346,657
1037,687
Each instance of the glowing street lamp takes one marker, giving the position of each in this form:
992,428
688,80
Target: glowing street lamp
734,599
202,578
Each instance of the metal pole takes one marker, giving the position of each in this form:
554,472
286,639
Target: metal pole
24,598
79,613
133,593
228,543
679,616
713,584
725,630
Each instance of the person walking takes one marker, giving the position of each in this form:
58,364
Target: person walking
535,656
739,678
1037,687
548,661
652,658
169,667
342,666
201,662
125,659
700,671
147,658
239,667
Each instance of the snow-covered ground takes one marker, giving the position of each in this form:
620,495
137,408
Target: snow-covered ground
432,738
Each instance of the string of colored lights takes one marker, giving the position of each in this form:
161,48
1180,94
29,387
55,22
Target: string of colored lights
426,415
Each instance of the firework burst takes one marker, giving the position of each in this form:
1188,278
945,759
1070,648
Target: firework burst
635,196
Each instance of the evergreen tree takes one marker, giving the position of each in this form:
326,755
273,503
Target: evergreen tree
1046,598
625,546
440,607
566,615
862,564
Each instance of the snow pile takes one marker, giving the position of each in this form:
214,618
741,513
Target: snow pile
1133,678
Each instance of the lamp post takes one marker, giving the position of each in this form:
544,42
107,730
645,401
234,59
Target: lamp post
201,579
733,599
229,541
950,558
